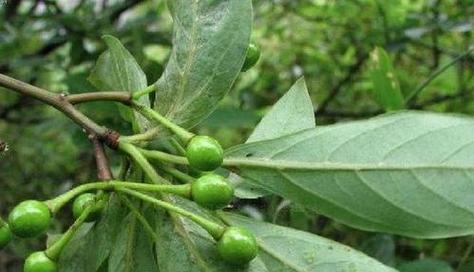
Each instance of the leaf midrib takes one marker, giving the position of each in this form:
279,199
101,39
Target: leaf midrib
334,166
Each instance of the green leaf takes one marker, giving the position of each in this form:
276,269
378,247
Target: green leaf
133,250
386,87
92,244
286,249
117,70
424,265
292,113
186,247
408,173
209,46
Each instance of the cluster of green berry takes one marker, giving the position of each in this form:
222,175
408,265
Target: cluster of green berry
235,245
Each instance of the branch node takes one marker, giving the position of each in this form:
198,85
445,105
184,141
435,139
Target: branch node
111,138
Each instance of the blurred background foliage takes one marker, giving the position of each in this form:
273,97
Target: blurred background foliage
54,44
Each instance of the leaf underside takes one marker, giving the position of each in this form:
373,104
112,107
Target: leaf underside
210,42
409,173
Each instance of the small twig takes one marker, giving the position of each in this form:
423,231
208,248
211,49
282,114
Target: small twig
123,97
413,95
60,102
103,168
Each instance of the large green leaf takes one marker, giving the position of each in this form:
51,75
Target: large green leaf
185,247
386,89
292,113
409,173
117,70
209,45
289,250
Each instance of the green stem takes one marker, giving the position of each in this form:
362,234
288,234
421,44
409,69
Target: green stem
57,203
139,216
54,251
178,147
162,156
123,97
147,90
142,137
142,161
177,174
411,97
152,115
216,230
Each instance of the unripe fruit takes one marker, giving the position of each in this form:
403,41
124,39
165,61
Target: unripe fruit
39,262
253,54
237,246
212,191
5,236
204,153
81,203
29,219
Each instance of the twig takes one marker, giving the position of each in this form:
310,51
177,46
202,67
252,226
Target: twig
62,104
123,97
103,168
412,96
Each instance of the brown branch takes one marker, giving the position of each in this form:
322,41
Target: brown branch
60,102
123,97
103,168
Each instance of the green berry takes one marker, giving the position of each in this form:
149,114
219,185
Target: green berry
204,153
5,236
39,262
212,191
237,246
29,219
81,203
253,54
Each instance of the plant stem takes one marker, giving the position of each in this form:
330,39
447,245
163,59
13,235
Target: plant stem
177,174
178,146
412,96
152,115
162,156
139,216
123,97
54,251
102,163
143,92
216,230
55,204
142,161
142,137
58,101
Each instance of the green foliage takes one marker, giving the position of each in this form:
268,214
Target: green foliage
386,159
210,42
406,173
